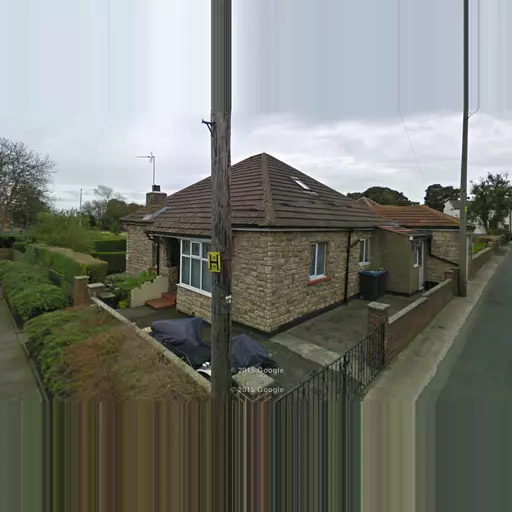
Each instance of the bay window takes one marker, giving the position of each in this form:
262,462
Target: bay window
194,265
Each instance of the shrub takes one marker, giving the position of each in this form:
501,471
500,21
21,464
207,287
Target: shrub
84,353
66,262
116,261
20,246
110,244
36,299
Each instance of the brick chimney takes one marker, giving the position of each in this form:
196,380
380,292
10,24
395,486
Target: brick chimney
156,199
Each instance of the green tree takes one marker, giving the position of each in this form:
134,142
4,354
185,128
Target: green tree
107,207
25,179
492,200
383,195
436,196
64,229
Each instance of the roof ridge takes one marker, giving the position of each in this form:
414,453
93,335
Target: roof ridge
268,203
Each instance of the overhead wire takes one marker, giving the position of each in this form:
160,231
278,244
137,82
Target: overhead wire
398,93
108,77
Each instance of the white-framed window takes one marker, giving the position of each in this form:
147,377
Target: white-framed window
317,260
364,251
194,271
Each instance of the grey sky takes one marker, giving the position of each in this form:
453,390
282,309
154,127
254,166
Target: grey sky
315,83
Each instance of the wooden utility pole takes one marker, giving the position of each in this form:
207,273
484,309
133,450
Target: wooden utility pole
220,126
463,258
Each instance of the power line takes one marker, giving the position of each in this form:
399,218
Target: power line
398,93
108,76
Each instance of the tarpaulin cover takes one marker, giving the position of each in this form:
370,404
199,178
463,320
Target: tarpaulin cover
185,334
183,337
247,353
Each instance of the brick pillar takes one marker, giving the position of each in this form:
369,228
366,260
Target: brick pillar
376,332
80,296
94,290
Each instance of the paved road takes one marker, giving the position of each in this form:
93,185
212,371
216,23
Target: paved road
471,408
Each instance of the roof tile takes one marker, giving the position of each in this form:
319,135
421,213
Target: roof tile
265,194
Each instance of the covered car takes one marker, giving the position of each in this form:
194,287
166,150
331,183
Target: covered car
183,337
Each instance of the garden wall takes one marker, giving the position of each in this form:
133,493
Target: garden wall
176,362
148,291
480,259
404,326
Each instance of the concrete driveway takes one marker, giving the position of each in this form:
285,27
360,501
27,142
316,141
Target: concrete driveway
329,335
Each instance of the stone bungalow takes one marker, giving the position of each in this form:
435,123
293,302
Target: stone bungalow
418,247
298,245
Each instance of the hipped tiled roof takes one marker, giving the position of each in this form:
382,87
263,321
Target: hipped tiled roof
264,194
417,216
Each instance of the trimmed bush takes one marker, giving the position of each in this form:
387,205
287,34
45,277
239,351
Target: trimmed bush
20,246
116,261
36,299
110,245
66,262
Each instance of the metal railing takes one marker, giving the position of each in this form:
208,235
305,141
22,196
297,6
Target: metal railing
68,287
315,429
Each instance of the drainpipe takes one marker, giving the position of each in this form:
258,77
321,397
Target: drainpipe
347,267
157,241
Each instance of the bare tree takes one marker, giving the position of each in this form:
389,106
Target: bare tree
25,179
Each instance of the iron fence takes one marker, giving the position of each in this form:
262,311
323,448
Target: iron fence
315,441
67,286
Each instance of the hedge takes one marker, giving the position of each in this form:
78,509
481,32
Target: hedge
116,261
110,245
20,246
36,299
50,335
66,262
29,291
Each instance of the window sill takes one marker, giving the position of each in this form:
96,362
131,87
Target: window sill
195,290
416,265
364,264
317,280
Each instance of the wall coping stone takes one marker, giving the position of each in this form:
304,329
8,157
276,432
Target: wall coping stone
483,251
378,306
407,309
442,284
94,286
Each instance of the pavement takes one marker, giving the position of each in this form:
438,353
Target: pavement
431,437
21,416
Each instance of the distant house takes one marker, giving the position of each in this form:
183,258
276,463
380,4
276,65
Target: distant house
298,245
434,244
453,208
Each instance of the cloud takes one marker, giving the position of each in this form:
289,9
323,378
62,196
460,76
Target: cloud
354,155
349,155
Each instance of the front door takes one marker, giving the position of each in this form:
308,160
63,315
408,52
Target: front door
419,263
